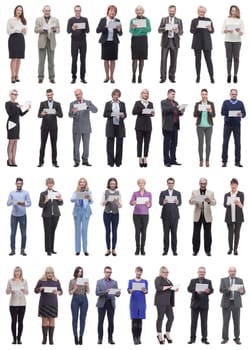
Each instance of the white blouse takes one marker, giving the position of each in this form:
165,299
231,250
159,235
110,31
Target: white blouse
231,24
18,289
15,25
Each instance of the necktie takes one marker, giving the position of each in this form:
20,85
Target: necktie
231,285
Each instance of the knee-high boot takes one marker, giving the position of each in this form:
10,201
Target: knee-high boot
44,331
51,331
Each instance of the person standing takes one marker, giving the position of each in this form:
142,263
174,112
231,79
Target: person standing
234,202
20,200
233,111
200,288
202,199
170,200
47,27
139,28
171,28
233,28
16,29
204,112
170,127
106,290
202,42
78,27
232,289
17,287
50,200
49,110
80,110
137,287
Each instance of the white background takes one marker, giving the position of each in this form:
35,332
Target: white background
183,267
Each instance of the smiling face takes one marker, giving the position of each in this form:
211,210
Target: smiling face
145,95
111,12
112,185
19,11
82,183
139,11
201,11
47,11
141,183
233,12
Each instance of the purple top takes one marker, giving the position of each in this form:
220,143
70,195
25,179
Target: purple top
141,208
48,299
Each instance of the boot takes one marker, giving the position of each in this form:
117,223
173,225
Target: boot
80,341
76,340
44,330
51,331
19,340
14,340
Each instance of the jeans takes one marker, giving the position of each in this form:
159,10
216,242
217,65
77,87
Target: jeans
79,307
14,220
111,222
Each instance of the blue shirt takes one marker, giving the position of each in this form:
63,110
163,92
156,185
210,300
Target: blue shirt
19,196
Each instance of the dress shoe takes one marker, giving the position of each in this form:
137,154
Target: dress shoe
229,252
76,340
112,81
139,79
49,253
212,80
195,253
224,341
114,252
205,341
13,164
108,252
169,340
77,253
143,252
191,341
83,81
86,163
105,81
235,252
175,253
172,80
12,252
168,165
55,165
76,164
207,163
176,163
9,163
197,80
40,165
224,164
162,80
164,253
239,165
201,163
23,252
52,81
53,252
13,80
208,254
73,81
100,341
40,81
133,78
111,341
80,340
86,253
161,341
237,341
235,80
17,80
141,165
229,79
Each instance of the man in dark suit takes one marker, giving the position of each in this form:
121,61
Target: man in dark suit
78,26
106,290
233,202
171,28
202,42
170,200
49,111
232,288
200,288
170,127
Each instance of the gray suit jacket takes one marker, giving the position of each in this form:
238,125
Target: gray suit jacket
44,34
224,289
164,37
101,292
198,205
81,119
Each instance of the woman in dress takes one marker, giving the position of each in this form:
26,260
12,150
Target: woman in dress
164,301
110,28
49,288
17,288
16,28
142,201
137,303
139,27
111,200
143,127
233,28
14,111
78,288
82,198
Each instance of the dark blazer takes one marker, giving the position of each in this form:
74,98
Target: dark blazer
224,289
165,297
201,37
164,37
101,28
199,300
210,115
238,211
170,211
143,121
102,294
167,110
50,120
49,206
109,129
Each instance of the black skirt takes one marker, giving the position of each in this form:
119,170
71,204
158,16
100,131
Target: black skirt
109,51
48,311
16,45
139,46
12,131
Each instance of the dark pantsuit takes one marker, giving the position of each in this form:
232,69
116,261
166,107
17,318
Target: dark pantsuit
236,130
50,225
111,221
234,234
207,235
17,316
203,320
207,55
78,46
45,131
140,223
14,220
117,156
226,312
163,310
170,145
167,227
143,137
232,53
107,308
173,61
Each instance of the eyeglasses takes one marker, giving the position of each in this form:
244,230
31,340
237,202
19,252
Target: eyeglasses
170,183
108,271
203,183
13,93
165,271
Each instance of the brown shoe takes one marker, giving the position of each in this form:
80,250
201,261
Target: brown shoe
201,163
114,253
207,163
108,252
52,81
40,81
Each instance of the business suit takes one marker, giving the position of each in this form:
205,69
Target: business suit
46,44
231,303
109,47
170,41
234,224
50,215
170,127
105,304
81,129
202,42
49,126
170,217
199,306
114,129
202,215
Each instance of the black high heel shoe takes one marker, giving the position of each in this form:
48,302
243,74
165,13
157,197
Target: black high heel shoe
168,339
160,341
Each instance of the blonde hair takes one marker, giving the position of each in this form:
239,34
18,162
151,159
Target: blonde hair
141,179
86,186
200,7
163,269
17,268
49,180
139,7
144,90
49,269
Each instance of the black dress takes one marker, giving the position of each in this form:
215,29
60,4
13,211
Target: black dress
14,112
16,45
